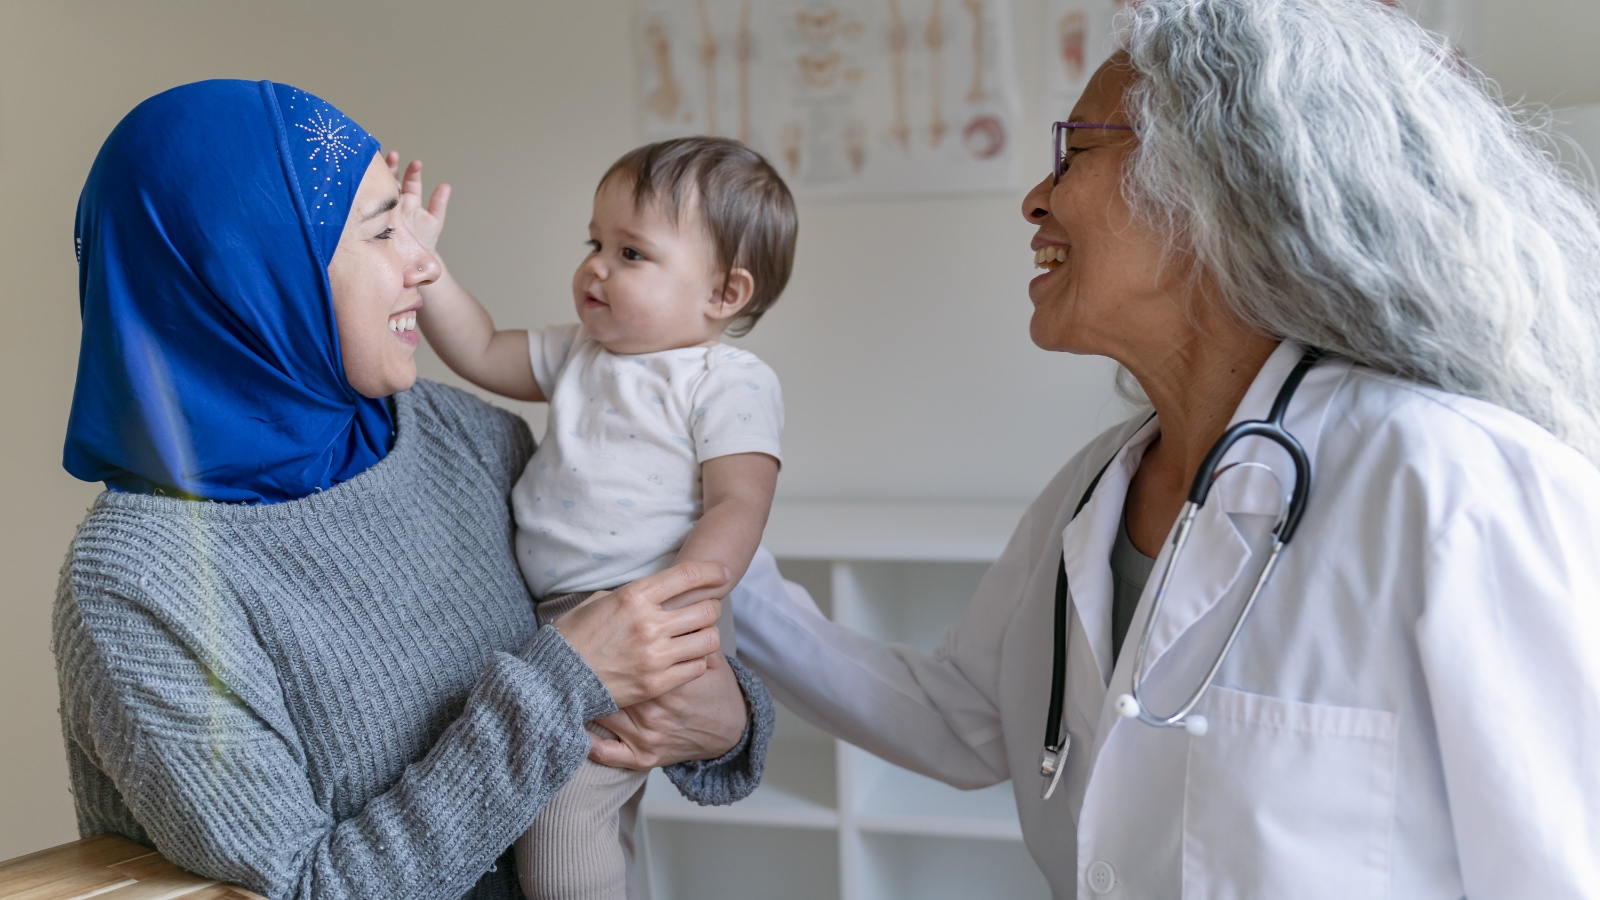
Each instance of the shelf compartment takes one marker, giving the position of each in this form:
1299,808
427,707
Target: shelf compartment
894,800
830,820
799,788
706,861
904,603
770,804
913,867
816,576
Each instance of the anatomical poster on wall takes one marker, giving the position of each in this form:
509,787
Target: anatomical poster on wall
1079,35
848,97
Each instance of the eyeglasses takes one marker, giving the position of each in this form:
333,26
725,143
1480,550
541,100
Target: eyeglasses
1058,139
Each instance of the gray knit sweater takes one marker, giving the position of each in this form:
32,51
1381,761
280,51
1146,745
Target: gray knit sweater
342,696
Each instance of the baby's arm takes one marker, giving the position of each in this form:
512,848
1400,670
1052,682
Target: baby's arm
738,496
457,326
461,331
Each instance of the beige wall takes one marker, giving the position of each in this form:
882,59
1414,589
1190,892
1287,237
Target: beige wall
902,340
1541,51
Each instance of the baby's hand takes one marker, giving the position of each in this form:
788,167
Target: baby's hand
427,223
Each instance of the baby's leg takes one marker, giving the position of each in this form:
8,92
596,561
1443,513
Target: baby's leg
581,845
577,848
627,824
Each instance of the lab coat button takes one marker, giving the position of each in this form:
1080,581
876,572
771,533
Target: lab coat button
1102,878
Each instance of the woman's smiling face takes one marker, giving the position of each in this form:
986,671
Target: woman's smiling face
1110,274
376,273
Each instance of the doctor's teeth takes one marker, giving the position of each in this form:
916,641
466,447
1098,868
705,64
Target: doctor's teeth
1049,257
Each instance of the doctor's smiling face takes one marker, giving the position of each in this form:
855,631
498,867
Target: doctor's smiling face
1106,286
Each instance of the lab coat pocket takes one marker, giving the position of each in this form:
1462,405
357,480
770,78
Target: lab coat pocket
1288,799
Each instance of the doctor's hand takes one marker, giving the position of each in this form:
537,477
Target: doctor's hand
427,223
638,649
704,719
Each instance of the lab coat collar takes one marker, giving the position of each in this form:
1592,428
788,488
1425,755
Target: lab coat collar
1217,552
1086,545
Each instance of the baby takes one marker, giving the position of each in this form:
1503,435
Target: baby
663,442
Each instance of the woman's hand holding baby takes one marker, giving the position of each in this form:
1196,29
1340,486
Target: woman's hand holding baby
640,650
703,719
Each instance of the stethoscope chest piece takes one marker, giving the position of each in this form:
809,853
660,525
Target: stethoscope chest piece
1051,764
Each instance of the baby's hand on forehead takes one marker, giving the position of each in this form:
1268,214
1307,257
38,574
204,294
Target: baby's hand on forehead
426,223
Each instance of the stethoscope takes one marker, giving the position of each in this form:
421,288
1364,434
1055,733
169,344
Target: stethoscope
1052,762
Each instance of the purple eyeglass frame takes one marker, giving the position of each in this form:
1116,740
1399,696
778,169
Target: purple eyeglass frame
1059,129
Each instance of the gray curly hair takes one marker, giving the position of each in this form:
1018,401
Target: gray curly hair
1351,184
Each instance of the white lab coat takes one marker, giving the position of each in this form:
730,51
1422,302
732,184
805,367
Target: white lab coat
1412,710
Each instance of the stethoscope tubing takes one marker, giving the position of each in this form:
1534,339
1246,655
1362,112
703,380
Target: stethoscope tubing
1182,717
1272,429
1052,761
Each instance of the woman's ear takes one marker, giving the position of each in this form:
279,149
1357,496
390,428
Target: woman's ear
733,296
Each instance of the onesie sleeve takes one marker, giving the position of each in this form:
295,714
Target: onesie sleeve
549,349
738,408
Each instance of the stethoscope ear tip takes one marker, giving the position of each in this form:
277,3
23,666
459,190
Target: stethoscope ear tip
1127,707
1197,726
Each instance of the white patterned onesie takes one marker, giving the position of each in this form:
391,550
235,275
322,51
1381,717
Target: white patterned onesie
614,487
609,497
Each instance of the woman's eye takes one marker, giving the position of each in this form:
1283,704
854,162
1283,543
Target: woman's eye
593,245
384,235
629,253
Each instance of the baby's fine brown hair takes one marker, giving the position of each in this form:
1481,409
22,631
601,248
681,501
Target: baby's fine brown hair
743,201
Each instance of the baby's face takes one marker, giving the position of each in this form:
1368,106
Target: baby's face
647,284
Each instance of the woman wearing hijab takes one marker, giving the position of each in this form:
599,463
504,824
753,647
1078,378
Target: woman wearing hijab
294,649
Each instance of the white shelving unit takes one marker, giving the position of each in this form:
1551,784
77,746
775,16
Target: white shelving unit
831,821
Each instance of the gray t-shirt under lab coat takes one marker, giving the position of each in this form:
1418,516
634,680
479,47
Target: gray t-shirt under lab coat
1130,569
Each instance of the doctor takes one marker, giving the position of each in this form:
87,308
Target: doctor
1412,708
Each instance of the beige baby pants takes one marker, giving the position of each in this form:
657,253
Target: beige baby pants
581,845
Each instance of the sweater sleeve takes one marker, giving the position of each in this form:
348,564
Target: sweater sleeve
219,785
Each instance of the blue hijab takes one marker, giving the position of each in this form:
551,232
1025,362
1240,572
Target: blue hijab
210,363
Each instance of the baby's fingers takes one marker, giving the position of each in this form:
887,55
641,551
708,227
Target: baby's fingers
392,159
439,200
413,180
